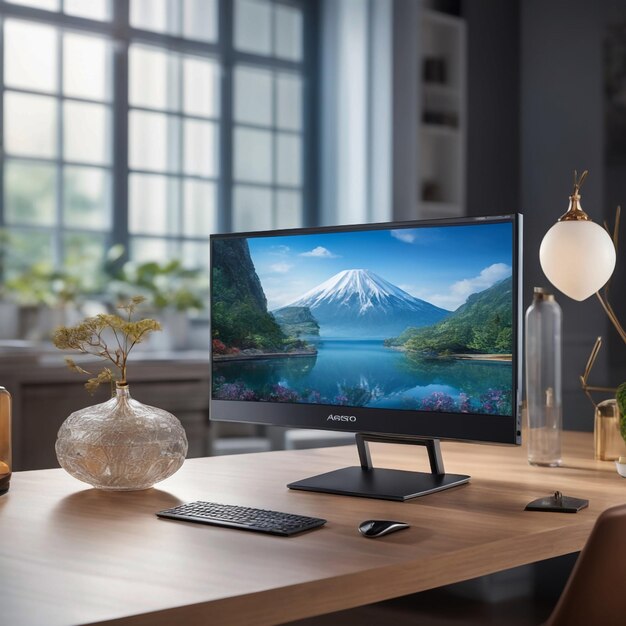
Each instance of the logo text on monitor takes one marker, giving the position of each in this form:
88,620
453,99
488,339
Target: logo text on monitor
341,418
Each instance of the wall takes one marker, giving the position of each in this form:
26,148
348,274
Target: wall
493,142
562,128
406,70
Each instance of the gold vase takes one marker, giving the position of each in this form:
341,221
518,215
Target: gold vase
608,441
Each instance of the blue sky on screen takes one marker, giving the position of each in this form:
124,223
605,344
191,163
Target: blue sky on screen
442,265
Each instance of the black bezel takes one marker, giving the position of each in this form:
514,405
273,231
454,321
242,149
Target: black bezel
478,427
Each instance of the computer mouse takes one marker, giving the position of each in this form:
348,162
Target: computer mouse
380,527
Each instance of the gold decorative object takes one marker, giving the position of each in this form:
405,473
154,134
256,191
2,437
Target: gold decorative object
575,212
608,442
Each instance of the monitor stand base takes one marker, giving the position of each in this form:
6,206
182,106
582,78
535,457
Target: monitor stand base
384,484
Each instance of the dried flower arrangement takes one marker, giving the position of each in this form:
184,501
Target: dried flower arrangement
109,337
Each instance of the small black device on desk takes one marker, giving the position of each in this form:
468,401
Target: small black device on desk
242,517
558,503
373,528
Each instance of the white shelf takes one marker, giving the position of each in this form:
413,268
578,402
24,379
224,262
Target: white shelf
440,90
441,162
440,130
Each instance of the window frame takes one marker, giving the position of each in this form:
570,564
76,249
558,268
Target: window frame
120,35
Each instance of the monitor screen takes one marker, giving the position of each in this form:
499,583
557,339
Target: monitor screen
402,328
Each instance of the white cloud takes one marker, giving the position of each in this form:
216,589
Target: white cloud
406,236
280,268
280,291
279,249
320,253
462,289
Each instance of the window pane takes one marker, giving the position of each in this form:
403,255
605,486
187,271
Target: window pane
289,166
27,248
201,87
85,67
200,19
253,96
288,209
30,55
29,193
195,256
252,208
200,148
153,143
253,26
153,78
30,125
158,15
143,249
86,195
253,155
153,204
288,33
84,253
200,213
48,5
288,102
86,132
92,9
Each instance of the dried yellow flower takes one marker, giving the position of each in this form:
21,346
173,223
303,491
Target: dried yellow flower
90,337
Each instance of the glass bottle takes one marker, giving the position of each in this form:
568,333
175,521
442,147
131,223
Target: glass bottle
543,379
5,440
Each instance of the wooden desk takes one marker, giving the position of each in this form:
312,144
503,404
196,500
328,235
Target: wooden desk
70,554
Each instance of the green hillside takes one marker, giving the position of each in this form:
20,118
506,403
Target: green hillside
482,325
239,317
297,321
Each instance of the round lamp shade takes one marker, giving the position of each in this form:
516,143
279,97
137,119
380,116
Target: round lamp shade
578,257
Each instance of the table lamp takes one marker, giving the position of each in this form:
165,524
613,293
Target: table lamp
577,255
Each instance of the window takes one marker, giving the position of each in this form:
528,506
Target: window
173,141
57,153
268,169
150,124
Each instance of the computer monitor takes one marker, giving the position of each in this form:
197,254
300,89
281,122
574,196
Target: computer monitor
410,331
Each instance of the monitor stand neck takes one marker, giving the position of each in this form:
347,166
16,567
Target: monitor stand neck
385,484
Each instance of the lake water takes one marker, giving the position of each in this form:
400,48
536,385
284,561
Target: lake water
365,373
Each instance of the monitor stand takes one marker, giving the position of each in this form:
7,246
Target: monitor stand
367,481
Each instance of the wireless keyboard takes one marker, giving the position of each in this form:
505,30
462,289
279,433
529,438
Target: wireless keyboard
244,518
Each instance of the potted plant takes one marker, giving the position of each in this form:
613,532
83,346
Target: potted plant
171,289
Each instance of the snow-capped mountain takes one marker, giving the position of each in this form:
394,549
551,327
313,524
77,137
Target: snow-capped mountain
359,302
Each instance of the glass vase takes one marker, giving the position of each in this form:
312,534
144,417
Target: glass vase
121,444
608,441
